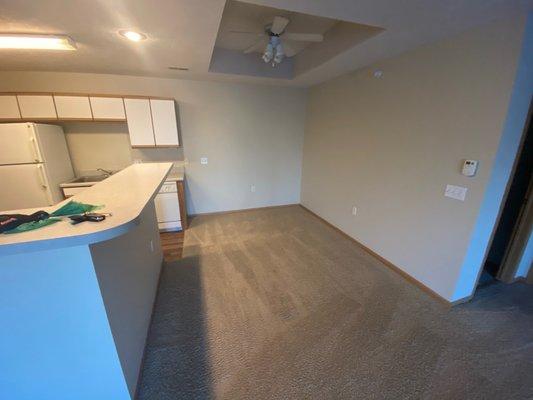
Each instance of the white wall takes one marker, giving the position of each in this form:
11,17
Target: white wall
251,134
389,146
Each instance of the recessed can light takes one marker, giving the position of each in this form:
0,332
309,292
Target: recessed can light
132,35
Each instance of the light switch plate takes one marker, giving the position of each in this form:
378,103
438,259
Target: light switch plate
203,160
455,192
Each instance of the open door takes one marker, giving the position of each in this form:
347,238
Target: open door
516,219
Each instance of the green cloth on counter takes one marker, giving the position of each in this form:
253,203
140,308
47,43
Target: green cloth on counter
30,226
71,208
74,207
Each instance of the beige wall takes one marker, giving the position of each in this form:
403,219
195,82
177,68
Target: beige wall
97,145
251,134
389,146
106,145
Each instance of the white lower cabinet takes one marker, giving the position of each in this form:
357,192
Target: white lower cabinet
167,208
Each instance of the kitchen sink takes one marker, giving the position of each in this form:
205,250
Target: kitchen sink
87,179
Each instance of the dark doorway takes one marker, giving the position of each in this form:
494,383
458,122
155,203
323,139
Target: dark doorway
512,211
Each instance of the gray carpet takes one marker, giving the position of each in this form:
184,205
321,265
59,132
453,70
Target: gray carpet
274,304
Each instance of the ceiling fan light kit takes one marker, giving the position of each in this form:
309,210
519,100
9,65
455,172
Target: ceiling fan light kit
275,51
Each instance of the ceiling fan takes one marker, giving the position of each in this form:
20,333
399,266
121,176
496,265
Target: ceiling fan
276,42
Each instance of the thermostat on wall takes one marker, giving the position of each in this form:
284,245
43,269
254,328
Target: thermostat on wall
469,167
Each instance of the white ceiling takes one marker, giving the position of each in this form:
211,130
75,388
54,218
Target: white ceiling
180,33
183,32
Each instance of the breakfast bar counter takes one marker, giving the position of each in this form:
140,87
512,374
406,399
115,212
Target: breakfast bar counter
124,195
77,299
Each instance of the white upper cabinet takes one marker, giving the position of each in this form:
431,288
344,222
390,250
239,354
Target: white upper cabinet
164,122
9,108
73,107
37,106
139,120
151,122
108,108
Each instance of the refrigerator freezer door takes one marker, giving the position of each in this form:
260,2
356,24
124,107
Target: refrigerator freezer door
23,186
19,144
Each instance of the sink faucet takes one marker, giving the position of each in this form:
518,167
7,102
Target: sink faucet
105,171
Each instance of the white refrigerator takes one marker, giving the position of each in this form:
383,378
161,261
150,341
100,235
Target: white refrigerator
34,160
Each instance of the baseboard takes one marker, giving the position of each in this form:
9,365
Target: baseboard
243,209
462,300
390,265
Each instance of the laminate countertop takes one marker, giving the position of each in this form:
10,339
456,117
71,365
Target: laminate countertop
176,174
124,195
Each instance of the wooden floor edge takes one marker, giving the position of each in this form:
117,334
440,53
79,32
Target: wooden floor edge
390,265
243,209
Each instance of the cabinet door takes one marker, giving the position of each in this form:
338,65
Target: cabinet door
139,122
167,207
73,107
9,108
37,106
164,120
108,108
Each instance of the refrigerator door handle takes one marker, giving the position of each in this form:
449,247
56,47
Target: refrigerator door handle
41,175
44,184
35,149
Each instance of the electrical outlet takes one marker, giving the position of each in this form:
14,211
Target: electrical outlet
252,188
203,160
354,210
137,161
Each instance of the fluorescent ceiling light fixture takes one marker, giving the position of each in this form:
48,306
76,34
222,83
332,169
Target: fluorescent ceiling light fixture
36,42
132,35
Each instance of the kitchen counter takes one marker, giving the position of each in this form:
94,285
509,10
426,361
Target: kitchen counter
124,194
78,299
90,182
176,174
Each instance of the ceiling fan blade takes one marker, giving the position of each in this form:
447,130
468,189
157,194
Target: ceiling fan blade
279,24
257,46
304,37
288,49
